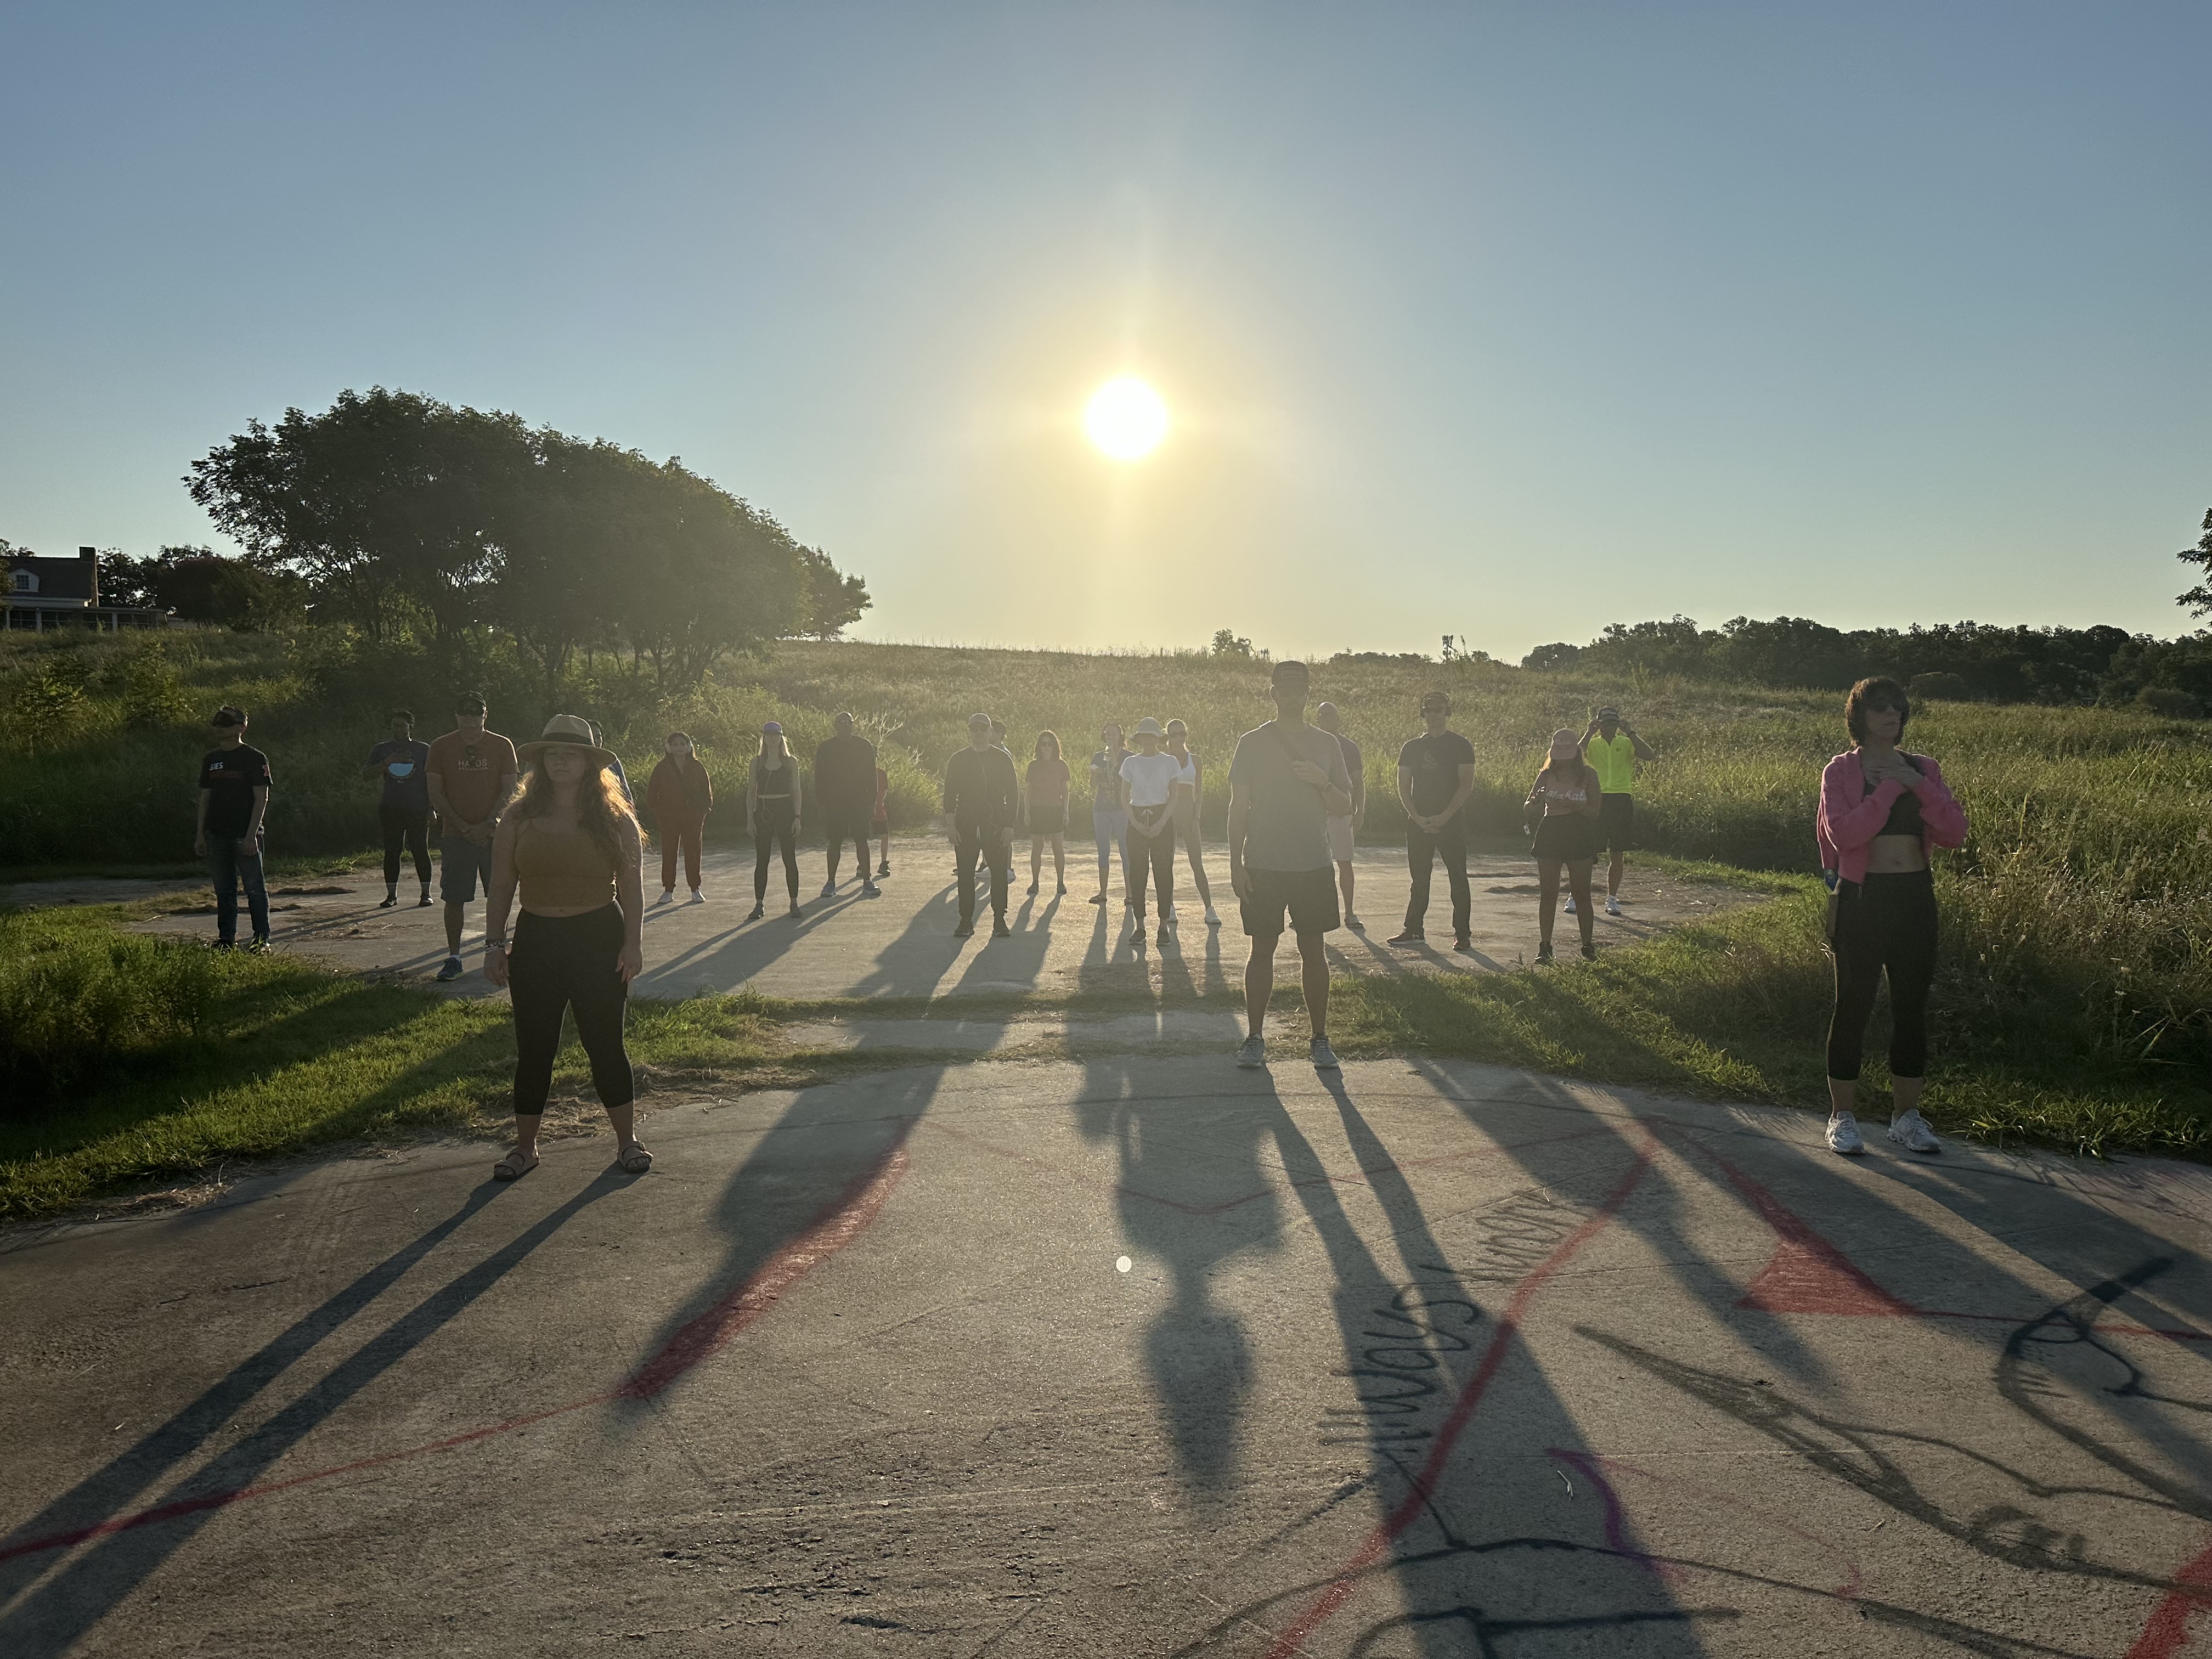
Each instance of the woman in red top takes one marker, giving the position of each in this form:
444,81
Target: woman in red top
1881,810
1044,807
679,795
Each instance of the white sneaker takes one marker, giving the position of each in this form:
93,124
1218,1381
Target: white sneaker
829,890
1843,1134
1910,1130
1324,1057
1612,905
697,897
1571,906
667,896
1252,1053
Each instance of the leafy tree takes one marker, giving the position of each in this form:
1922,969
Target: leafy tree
1227,643
2199,598
834,600
1557,654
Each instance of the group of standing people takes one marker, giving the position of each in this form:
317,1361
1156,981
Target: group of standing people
549,831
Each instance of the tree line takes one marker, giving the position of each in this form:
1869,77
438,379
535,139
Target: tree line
406,519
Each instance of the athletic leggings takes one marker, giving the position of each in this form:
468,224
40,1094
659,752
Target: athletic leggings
773,825
559,962
1886,921
404,827
1110,826
1156,853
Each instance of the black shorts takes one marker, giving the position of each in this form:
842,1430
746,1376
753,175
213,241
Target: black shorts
1567,838
462,864
1309,895
1616,822
843,824
1050,820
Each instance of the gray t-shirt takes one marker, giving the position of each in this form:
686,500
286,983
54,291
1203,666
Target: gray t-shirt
1287,826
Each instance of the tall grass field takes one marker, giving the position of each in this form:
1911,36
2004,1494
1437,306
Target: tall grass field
2074,1003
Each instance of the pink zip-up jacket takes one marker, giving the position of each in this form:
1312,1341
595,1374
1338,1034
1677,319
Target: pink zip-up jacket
1850,818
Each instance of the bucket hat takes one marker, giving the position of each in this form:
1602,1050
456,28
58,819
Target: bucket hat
566,731
1147,727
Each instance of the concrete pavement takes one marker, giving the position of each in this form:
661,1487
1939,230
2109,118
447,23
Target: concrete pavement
901,945
1128,1356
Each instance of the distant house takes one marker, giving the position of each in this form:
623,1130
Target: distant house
43,593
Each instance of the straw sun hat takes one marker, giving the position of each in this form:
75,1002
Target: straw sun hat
566,731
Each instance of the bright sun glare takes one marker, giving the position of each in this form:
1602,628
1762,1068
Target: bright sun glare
1126,419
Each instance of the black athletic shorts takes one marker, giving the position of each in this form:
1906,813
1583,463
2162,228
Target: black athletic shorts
1616,822
1309,895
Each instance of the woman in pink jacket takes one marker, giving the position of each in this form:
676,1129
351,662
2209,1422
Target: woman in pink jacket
1881,809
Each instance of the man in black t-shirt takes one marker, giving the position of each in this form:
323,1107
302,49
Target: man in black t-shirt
1436,775
233,800
845,795
982,799
403,813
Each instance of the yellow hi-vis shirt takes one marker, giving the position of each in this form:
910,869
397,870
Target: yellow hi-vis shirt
1615,763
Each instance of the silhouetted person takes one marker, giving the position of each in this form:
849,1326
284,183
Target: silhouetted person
473,772
775,804
1436,775
844,799
1284,780
233,800
403,808
982,803
680,794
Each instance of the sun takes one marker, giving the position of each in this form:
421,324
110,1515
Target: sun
1126,419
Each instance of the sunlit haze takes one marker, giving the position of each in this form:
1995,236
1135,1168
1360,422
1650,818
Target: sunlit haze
1126,419
1504,322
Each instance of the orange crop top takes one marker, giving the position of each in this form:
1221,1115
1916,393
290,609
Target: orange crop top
562,872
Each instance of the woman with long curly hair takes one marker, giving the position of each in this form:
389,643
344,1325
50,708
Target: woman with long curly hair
571,844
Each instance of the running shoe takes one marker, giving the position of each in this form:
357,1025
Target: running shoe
1843,1134
998,928
1163,935
1590,953
1324,1057
697,897
390,899
1910,1130
964,930
756,913
884,868
423,904
1411,936
1612,905
452,970
869,889
1252,1053
1570,905
1464,946
1211,920
667,896
829,890
1354,923
262,947
1033,887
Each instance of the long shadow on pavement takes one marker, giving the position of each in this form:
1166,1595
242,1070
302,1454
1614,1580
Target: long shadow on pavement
51,1616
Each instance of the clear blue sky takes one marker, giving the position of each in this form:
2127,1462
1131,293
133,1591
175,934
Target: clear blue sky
1504,321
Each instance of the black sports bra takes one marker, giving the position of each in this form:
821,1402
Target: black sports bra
1904,817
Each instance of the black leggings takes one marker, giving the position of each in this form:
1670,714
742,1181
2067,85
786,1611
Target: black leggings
404,827
1886,921
1156,853
559,962
773,824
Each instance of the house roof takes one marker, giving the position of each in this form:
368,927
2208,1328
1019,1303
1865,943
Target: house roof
76,579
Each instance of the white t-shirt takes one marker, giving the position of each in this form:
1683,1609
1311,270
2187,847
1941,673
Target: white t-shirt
1152,778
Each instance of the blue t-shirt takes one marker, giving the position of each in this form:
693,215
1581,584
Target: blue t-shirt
406,766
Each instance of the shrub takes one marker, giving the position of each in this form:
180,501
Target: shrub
1938,687
2168,701
77,1002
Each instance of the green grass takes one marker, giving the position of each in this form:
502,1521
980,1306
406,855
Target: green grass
2074,997
261,1057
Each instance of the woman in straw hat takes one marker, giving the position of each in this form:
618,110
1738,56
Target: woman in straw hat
571,842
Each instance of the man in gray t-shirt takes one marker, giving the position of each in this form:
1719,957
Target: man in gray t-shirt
1285,780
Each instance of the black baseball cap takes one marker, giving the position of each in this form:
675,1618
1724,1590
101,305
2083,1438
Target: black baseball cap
229,714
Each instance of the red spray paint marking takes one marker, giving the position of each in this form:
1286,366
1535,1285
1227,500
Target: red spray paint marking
1806,1274
1425,1484
2168,1629
841,1222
